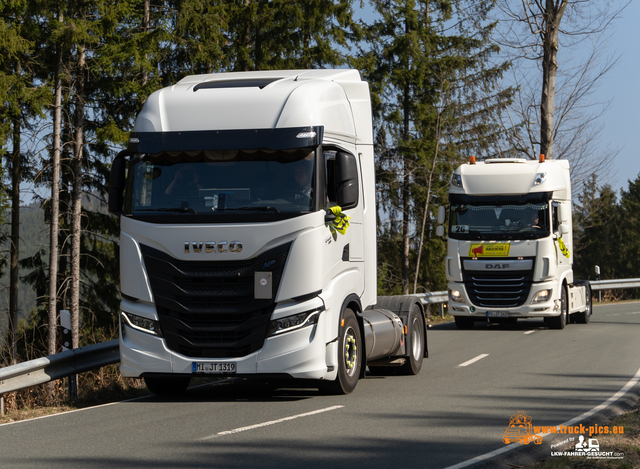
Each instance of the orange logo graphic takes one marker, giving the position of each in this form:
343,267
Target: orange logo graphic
520,429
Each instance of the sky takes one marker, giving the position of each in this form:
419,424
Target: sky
621,87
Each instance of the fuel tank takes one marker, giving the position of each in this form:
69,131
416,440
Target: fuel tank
383,334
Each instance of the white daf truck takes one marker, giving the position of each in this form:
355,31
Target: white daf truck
509,248
248,235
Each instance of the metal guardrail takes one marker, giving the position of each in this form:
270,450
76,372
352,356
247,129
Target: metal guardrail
433,297
615,284
42,370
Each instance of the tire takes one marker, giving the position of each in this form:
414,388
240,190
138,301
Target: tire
464,322
558,322
164,386
349,360
584,316
416,342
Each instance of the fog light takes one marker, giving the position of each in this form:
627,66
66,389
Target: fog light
142,324
295,322
541,297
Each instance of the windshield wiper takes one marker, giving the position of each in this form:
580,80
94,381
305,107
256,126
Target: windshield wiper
259,208
167,209
477,233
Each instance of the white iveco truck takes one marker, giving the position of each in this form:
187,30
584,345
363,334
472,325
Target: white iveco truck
509,249
236,251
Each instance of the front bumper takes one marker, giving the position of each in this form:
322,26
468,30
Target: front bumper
300,353
549,308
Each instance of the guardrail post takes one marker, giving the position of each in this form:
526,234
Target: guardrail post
1,406
441,308
65,322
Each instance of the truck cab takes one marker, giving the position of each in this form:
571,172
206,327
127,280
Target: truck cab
509,248
248,240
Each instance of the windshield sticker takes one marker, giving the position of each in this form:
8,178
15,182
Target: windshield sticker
489,250
498,211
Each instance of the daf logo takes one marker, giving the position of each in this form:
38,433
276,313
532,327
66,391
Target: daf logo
210,246
496,266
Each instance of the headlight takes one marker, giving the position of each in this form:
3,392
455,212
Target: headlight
141,324
295,322
456,180
456,296
541,297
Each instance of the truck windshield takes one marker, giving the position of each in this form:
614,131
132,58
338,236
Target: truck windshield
221,181
525,221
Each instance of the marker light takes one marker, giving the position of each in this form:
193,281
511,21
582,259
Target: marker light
472,160
306,135
541,158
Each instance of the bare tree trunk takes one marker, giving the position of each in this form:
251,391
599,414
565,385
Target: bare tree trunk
146,23
553,16
426,208
406,186
55,197
16,173
76,204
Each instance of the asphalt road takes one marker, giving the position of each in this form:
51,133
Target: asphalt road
445,416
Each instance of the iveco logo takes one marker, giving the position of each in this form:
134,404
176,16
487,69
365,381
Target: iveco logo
210,246
496,266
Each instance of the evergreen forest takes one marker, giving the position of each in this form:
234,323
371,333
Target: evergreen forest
75,73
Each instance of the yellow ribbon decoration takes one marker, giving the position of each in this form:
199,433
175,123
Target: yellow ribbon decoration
563,248
341,223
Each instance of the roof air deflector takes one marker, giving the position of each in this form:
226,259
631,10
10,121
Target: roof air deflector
246,83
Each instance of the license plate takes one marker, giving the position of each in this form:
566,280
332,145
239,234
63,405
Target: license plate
213,367
497,314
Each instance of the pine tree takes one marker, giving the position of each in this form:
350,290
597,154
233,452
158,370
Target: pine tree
597,232
433,91
22,101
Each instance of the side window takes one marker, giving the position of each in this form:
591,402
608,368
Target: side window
330,171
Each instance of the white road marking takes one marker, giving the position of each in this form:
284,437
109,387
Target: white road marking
530,332
473,360
272,422
632,382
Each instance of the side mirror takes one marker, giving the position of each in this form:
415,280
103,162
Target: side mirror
563,228
441,215
440,230
564,213
346,180
117,182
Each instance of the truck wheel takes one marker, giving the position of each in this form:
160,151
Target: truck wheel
167,386
349,359
558,322
416,333
585,316
464,322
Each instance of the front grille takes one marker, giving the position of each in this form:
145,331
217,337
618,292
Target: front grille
498,289
207,308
